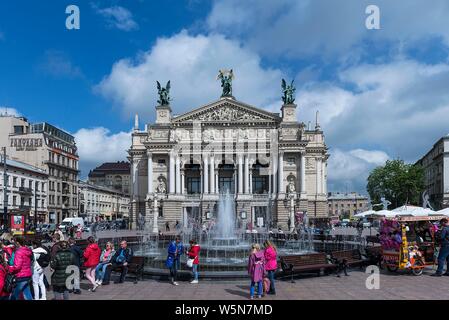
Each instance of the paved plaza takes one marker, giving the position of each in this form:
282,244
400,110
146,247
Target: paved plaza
392,286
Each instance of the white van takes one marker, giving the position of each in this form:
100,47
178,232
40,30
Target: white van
68,222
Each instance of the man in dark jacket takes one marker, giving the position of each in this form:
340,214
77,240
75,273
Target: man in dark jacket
59,263
78,253
120,260
443,255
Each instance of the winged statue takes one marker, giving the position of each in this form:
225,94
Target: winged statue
288,92
164,94
226,77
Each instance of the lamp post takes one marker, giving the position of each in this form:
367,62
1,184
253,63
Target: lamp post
5,192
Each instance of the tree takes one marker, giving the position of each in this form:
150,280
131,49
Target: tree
398,182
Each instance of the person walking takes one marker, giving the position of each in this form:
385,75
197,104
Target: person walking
60,263
91,259
193,253
173,262
61,235
3,273
23,261
256,269
41,261
78,254
120,259
79,231
443,255
105,259
270,254
167,226
55,247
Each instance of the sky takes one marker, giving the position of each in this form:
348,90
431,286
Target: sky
381,93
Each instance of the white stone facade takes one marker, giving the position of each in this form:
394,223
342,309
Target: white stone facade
101,202
436,173
180,164
26,190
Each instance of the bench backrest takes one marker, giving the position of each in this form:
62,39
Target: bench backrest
347,254
305,259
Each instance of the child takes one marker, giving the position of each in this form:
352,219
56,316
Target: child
256,269
79,232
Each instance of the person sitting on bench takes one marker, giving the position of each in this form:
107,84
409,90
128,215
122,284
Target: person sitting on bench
121,259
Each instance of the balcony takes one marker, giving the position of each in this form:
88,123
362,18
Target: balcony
24,190
24,207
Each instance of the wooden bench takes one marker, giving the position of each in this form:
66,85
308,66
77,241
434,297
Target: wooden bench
372,239
132,241
82,243
352,257
373,255
314,262
135,267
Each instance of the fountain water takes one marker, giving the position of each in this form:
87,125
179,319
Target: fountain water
223,246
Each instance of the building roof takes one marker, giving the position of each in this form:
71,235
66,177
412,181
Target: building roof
22,165
84,184
120,167
346,196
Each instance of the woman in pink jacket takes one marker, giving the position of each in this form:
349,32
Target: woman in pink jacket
270,263
22,270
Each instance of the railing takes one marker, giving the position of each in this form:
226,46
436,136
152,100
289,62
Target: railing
25,190
192,197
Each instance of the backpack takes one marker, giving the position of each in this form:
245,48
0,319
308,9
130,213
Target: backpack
121,258
44,260
10,282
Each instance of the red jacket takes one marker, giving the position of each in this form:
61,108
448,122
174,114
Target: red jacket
3,273
22,267
92,255
194,253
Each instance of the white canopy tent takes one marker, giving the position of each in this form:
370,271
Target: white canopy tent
408,210
444,212
364,214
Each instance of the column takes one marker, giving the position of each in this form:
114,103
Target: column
323,178
246,175
318,176
150,172
155,216
135,179
178,175
303,173
182,181
292,214
216,182
205,175
240,173
274,186
212,175
250,178
171,181
281,173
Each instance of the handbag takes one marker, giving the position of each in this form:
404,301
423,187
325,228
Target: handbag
10,283
190,262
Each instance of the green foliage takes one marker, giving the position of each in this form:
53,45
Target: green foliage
398,182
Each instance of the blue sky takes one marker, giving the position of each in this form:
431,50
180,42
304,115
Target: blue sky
382,94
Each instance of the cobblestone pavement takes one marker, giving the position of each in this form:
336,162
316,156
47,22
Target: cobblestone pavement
392,286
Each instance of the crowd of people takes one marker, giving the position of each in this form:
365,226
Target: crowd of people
24,266
262,264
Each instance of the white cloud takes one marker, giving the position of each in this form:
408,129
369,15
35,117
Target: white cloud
98,145
118,17
57,64
401,107
348,170
9,111
297,27
192,64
